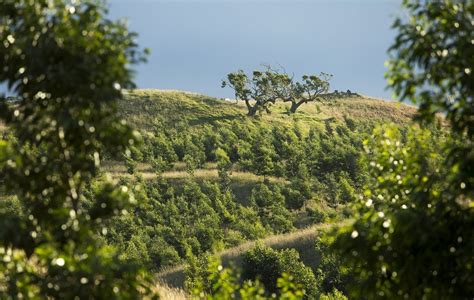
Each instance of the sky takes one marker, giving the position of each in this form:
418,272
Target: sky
195,43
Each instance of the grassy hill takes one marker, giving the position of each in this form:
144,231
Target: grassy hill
141,107
325,137
144,108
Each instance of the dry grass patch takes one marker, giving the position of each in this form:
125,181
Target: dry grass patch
170,293
238,178
207,172
241,184
115,167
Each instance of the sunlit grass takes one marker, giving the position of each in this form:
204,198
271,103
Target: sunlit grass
143,106
207,172
170,293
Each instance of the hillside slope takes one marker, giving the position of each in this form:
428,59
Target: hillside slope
285,172
141,107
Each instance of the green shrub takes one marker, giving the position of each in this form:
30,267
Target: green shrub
328,271
224,166
267,265
335,295
270,204
207,279
131,165
317,215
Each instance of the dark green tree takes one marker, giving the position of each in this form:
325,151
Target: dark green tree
224,166
191,164
68,64
268,86
262,154
257,92
131,165
270,204
267,265
432,60
413,235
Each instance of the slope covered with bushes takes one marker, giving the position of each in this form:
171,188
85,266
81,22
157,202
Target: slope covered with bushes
207,177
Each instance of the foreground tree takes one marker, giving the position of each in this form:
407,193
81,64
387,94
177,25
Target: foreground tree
268,86
413,236
68,65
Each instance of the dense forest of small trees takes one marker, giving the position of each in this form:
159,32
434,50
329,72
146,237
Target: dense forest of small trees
330,174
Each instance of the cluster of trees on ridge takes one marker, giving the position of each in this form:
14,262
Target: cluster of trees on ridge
412,234
272,85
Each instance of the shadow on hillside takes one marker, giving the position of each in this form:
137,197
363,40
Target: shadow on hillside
212,119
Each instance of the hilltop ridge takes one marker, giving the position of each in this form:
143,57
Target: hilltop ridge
140,107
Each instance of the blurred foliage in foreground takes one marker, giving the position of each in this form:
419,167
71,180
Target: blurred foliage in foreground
413,236
68,64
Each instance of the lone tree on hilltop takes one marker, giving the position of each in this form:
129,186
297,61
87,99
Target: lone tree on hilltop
268,86
310,89
258,89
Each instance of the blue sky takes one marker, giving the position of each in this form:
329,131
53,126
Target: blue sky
195,43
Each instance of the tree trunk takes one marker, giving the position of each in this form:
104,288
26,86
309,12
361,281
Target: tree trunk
252,110
295,105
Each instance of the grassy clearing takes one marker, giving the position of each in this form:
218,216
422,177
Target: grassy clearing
5,197
242,183
208,172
